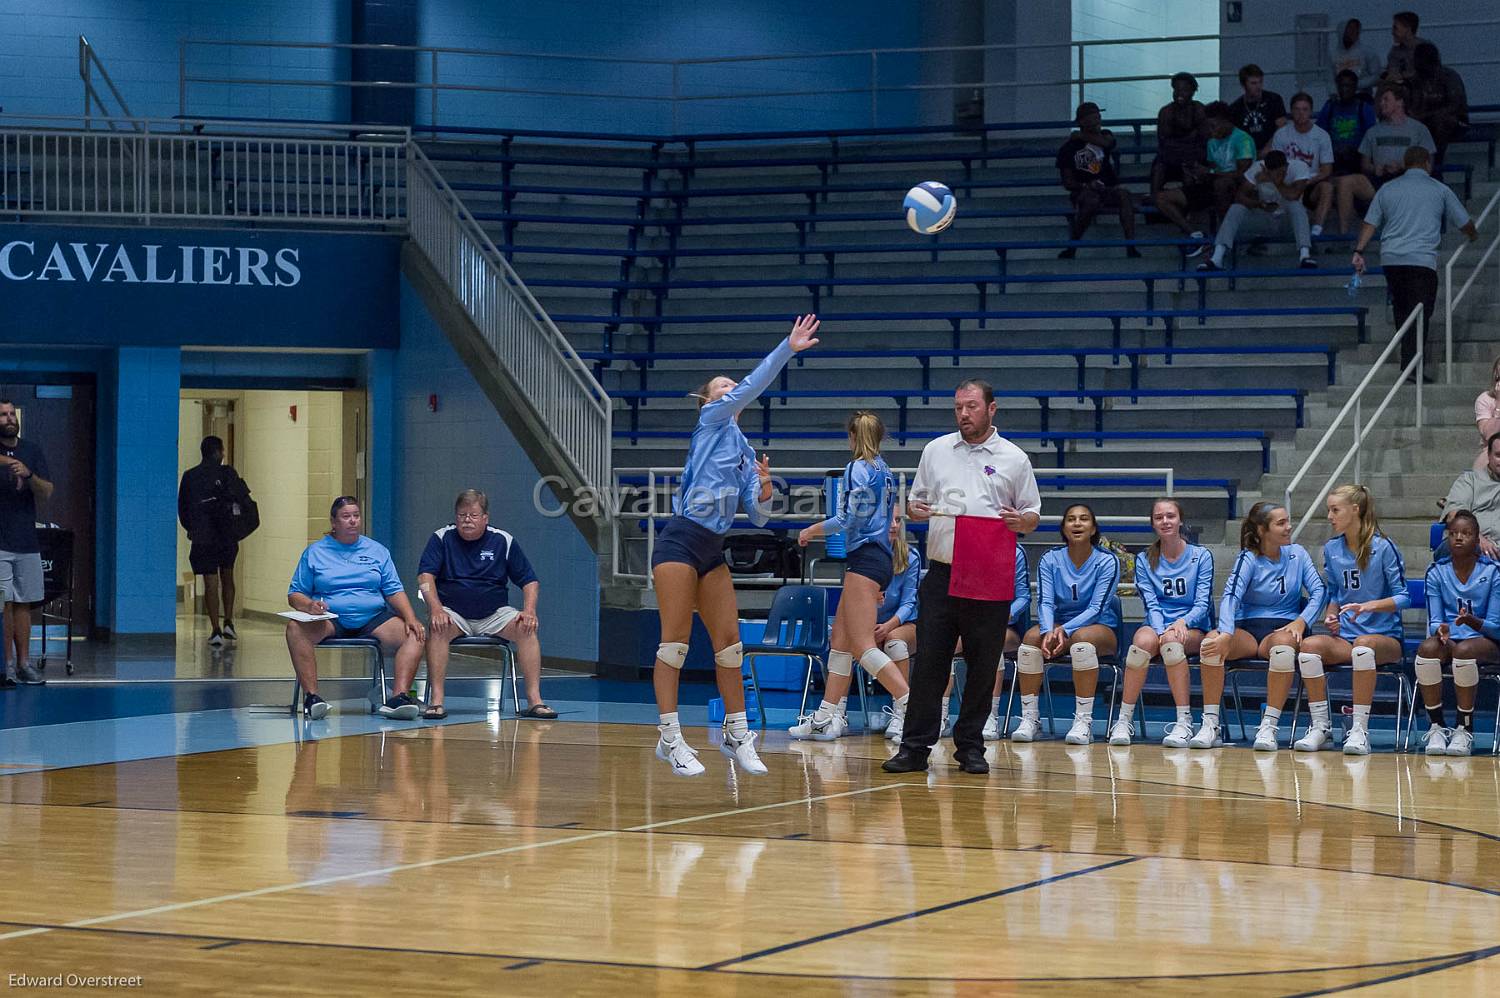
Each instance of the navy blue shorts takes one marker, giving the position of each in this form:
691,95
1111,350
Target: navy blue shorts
684,542
873,562
365,630
1261,628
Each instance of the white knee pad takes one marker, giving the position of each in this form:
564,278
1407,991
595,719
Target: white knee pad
1429,671
1284,659
1085,659
1311,666
731,658
1029,660
897,649
1172,653
1364,659
1211,660
672,653
1137,658
840,663
873,661
1465,672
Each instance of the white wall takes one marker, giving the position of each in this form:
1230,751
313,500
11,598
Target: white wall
1104,19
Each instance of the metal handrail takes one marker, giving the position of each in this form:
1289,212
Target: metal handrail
259,129
1354,404
1452,300
88,61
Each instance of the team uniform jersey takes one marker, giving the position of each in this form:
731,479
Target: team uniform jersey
1076,597
864,507
1020,607
353,580
1260,588
1177,590
1383,578
1447,597
901,594
473,577
719,478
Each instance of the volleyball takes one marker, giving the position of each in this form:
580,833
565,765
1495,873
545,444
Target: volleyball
930,207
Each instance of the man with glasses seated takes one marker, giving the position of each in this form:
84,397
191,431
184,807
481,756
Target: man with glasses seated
464,576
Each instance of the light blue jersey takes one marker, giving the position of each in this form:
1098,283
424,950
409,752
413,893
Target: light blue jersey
719,479
1383,578
352,579
1261,588
1447,597
1177,590
901,594
865,506
1020,607
1077,597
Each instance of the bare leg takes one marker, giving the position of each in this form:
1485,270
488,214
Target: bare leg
18,622
1127,213
437,662
721,615
1173,207
301,640
1147,641
1241,645
393,634
1351,188
1279,684
528,658
226,586
211,600
1086,681
676,597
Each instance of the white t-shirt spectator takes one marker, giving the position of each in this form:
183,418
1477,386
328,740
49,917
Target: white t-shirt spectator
1295,170
1312,148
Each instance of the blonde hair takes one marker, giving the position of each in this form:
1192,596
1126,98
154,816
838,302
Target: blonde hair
1364,504
1153,553
866,431
900,550
1256,522
1494,377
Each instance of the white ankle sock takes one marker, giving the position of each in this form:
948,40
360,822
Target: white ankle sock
1127,712
994,705
1319,710
825,711
1218,257
1317,230
1272,714
900,703
1029,706
1184,715
669,726
737,724
1083,706
1361,717
943,717
1211,710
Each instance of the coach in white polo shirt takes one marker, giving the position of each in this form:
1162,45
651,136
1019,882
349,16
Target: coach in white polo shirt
978,472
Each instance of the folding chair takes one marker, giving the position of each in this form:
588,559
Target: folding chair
378,689
1406,694
797,627
1111,662
507,660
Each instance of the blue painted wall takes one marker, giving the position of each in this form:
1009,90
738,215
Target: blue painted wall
465,444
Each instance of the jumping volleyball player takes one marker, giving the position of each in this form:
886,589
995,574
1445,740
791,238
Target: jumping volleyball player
1366,594
720,478
864,516
1176,582
1259,617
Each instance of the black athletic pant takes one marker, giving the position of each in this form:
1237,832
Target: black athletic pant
942,621
1410,287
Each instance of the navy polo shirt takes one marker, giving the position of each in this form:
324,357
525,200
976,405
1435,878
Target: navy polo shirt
472,575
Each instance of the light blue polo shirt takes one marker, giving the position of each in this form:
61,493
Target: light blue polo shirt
352,579
1409,213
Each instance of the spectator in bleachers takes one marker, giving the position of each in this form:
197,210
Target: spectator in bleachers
1182,156
1382,152
1230,152
1409,212
1478,494
1487,415
1076,616
1304,141
1257,110
1437,100
1086,163
1270,200
1346,117
1352,55
896,619
1399,62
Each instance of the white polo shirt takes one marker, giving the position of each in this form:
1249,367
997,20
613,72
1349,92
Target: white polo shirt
973,479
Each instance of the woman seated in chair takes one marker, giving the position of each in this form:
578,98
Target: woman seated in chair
1260,616
348,574
1366,594
1463,626
865,511
896,619
1076,614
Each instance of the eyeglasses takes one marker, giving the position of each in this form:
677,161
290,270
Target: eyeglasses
470,517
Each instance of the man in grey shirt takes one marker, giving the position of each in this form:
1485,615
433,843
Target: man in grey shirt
1479,493
1409,213
1382,152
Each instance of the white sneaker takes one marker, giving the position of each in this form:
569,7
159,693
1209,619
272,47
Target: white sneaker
837,729
742,751
992,728
1027,730
1210,735
896,726
216,640
1082,731
1120,733
1179,735
808,726
684,761
1460,742
1357,743
1437,740
1317,736
1265,737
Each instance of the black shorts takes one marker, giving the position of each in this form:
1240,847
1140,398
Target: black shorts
873,562
1346,163
684,542
366,629
212,557
1261,628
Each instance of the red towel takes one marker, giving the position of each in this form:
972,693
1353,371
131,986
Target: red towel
984,559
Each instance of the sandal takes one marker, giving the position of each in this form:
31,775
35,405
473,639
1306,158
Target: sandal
436,712
540,711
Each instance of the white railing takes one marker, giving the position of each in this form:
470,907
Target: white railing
1452,299
661,484
1362,428
526,344
157,169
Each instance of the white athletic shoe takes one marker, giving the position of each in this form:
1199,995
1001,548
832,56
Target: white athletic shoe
1437,740
742,751
1210,735
683,760
836,730
1265,737
1082,731
1357,742
1120,733
1179,735
1460,742
1317,736
808,726
1028,730
896,726
992,728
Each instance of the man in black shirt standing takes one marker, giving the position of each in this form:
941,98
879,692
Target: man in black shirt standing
23,480
1087,167
201,497
1258,111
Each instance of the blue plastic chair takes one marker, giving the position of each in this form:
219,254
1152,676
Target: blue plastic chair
797,627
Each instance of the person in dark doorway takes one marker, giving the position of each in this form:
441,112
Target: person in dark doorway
24,479
1086,163
212,554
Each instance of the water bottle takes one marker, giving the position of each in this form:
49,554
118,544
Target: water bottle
1354,285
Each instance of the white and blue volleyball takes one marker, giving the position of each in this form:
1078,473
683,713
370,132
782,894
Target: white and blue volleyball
930,207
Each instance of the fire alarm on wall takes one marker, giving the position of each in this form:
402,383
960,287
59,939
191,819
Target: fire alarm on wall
293,410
